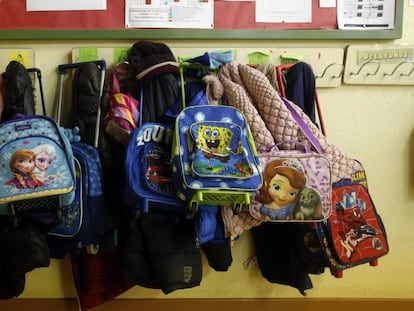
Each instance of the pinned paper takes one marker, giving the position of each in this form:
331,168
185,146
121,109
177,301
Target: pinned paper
259,57
290,58
87,54
120,55
21,57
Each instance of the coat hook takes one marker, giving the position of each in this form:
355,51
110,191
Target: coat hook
365,64
402,74
329,66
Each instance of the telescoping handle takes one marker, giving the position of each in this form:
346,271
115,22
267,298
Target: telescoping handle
62,70
63,67
38,73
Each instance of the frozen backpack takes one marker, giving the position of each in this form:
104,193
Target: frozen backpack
37,171
149,171
214,157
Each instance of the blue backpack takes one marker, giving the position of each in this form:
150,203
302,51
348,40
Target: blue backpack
214,157
37,172
83,221
148,170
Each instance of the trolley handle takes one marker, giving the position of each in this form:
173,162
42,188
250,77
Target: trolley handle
63,67
38,73
62,70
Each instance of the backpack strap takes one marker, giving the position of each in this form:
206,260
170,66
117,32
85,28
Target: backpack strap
305,129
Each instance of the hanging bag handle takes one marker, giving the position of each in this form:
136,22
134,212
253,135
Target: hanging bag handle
305,129
115,83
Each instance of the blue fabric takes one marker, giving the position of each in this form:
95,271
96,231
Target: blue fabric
300,88
202,59
206,222
210,225
218,58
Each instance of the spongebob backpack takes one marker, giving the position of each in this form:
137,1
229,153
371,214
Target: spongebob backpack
214,158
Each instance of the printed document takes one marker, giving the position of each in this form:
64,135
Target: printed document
282,11
366,14
169,13
65,5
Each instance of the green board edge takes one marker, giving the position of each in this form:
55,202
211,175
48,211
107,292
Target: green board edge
210,34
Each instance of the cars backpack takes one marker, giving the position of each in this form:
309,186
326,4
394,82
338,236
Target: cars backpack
148,170
214,157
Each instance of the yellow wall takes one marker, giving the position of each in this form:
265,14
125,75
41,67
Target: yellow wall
372,123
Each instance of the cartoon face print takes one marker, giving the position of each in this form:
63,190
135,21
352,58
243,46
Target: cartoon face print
44,155
215,138
43,161
283,180
24,164
281,191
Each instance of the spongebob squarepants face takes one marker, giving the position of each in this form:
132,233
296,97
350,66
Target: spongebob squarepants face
214,139
218,149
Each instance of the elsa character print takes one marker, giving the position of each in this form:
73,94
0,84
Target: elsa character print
22,167
44,156
283,179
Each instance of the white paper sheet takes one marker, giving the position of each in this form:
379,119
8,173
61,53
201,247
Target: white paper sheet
327,3
169,14
282,11
65,5
366,14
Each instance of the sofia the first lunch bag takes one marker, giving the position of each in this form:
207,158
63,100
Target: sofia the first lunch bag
296,186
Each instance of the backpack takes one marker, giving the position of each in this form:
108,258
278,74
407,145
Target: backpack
214,157
81,223
354,234
122,116
47,180
161,249
149,171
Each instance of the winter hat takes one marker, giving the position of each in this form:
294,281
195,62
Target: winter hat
150,59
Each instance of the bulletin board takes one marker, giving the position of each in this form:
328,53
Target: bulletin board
232,20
